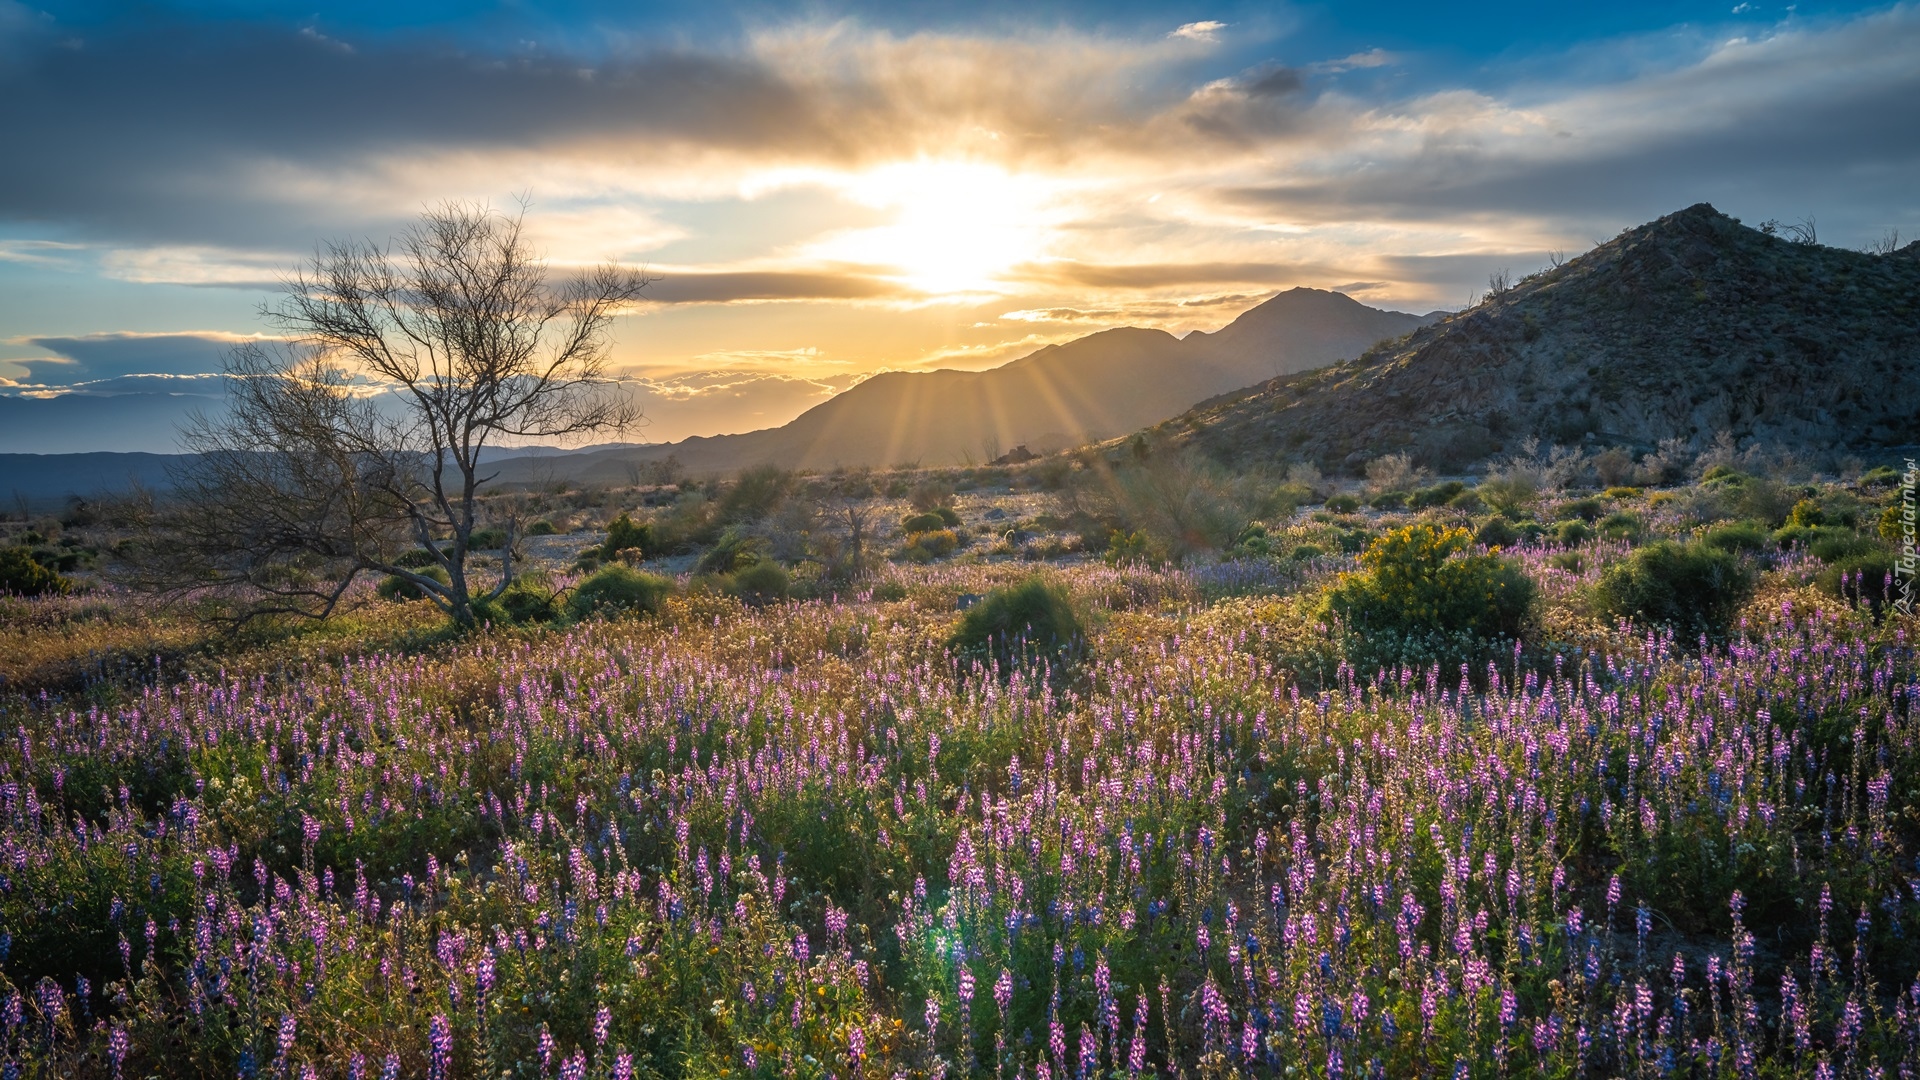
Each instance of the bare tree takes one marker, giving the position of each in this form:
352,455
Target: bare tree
361,434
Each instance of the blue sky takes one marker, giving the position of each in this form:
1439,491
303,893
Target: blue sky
827,191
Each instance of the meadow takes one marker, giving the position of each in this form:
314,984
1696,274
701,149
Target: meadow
1211,835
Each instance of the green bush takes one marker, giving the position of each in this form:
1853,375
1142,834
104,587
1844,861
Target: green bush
1422,598
1806,513
486,539
542,528
1343,504
416,559
1033,622
1389,500
527,601
1737,536
761,583
1692,589
1305,552
1467,502
1622,493
617,590
756,493
1725,476
1621,525
1588,509
1134,549
919,523
1496,532
623,534
395,587
23,575
1571,533
1893,523
1860,578
1437,495
930,545
734,550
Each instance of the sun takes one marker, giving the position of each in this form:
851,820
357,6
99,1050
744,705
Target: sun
957,227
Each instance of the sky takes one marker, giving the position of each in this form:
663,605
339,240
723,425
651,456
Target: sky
826,191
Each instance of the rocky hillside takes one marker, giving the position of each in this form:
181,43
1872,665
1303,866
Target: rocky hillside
1102,385
1685,327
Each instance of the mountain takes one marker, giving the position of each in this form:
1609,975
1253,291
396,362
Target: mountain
1101,385
1681,328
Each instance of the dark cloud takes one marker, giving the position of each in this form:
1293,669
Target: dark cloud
97,357
716,288
1159,275
1276,82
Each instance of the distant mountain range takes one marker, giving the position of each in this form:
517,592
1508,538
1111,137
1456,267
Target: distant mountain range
1098,386
1685,327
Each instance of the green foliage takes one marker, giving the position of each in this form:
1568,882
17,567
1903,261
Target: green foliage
1621,525
734,550
617,590
1033,622
1879,476
1388,500
930,494
1806,514
932,544
1840,545
623,535
1303,552
1866,578
1422,598
491,539
1571,533
1496,532
416,559
394,587
527,600
1437,495
1622,493
1737,536
1134,549
1343,504
1467,502
1588,509
763,582
1692,589
919,523
1724,476
755,493
542,527
23,575
1894,523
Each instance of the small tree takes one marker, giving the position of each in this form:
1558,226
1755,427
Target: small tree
360,434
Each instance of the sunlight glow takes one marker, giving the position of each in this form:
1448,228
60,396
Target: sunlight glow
958,226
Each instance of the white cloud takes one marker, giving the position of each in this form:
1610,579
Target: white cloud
1207,31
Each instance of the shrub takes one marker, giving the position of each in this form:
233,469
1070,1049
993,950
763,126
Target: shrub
734,550
1724,476
1422,598
623,534
1840,545
1588,509
1343,504
615,591
1806,513
395,587
755,493
1305,552
1622,493
1437,495
542,528
948,516
919,523
486,539
1031,622
416,559
1496,532
1467,502
930,545
761,583
1737,536
1893,523
527,601
1134,549
1862,578
930,494
1389,500
23,575
1692,589
1621,525
1571,533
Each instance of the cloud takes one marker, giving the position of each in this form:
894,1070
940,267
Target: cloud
1207,31
93,358
726,401
723,287
1167,275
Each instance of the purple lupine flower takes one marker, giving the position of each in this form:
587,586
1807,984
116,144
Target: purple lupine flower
439,1048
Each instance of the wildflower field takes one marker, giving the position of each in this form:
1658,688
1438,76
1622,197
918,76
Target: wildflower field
807,840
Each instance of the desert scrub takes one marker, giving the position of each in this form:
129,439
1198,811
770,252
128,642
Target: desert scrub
23,575
1691,589
1422,598
613,591
1029,623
